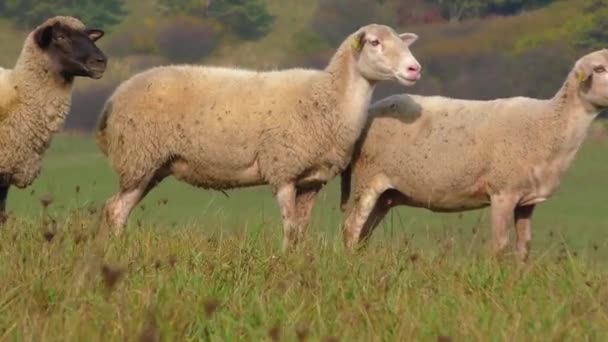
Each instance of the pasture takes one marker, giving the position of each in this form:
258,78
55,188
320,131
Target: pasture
203,265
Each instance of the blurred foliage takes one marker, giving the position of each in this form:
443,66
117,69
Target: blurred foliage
585,27
248,19
307,41
94,13
335,19
191,7
175,39
506,49
457,10
594,28
140,39
508,7
503,35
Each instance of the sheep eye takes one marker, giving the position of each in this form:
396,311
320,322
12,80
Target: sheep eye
375,42
599,69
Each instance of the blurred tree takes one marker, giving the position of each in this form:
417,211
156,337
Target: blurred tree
29,13
333,20
186,39
508,7
248,19
594,34
457,10
189,7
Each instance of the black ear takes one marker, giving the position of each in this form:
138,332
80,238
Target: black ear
44,36
95,34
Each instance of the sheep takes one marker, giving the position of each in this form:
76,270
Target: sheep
450,155
223,128
35,95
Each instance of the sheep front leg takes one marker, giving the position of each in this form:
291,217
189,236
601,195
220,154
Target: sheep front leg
305,200
286,196
3,196
523,217
502,212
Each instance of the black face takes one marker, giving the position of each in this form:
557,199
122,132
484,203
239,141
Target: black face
74,51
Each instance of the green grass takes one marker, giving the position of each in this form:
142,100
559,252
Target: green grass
578,211
206,267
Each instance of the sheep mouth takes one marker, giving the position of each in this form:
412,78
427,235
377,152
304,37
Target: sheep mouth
96,73
407,80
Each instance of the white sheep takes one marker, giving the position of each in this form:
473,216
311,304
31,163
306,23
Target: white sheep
35,95
224,128
451,155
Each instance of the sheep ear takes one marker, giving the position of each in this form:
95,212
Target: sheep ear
95,34
584,72
44,36
358,41
408,38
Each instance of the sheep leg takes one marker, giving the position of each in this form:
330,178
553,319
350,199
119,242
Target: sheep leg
286,196
305,200
3,196
380,210
120,206
523,217
502,209
360,214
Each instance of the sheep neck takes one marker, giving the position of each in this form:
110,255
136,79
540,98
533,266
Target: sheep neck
353,92
43,94
574,115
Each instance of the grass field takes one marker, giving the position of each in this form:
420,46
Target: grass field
197,265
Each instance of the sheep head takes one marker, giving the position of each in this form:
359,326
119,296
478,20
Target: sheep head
384,55
591,72
71,47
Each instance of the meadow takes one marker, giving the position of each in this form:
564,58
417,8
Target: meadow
204,265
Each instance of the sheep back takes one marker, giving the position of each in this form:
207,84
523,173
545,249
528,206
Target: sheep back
443,150
233,127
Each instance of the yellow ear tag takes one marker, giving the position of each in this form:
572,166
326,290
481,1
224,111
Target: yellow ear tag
357,44
581,76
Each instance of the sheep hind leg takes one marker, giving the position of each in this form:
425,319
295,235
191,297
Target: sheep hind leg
502,210
305,200
119,207
387,200
358,220
3,196
286,197
523,217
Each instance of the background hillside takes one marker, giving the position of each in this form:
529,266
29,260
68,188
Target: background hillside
476,49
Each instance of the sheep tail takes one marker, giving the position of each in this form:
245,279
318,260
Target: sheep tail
345,178
102,140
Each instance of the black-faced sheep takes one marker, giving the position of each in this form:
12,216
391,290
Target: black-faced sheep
35,95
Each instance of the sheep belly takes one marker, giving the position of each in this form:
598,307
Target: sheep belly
434,165
217,156
215,174
452,199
